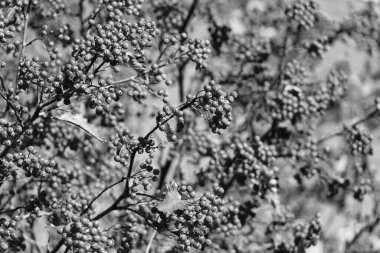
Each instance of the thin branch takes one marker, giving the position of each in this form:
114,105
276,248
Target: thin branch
101,193
189,16
367,228
151,241
58,246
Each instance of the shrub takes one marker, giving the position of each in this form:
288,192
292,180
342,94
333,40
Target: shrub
176,126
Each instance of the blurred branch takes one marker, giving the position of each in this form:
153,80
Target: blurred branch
367,228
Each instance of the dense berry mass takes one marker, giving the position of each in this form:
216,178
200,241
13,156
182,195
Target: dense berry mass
188,126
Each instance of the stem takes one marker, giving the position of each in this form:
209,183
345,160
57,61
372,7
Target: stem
369,227
100,194
113,206
181,88
151,241
189,15
358,122
31,42
58,246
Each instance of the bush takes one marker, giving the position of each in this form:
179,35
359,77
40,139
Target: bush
176,126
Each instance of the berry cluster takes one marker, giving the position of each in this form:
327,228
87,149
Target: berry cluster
295,74
112,41
303,12
101,98
13,108
361,190
32,164
9,132
84,235
36,204
240,163
10,235
130,233
317,48
305,235
200,142
359,142
256,49
219,35
170,14
296,103
193,220
289,104
32,73
115,9
217,104
198,52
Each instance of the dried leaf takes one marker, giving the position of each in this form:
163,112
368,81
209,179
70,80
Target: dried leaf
81,122
172,200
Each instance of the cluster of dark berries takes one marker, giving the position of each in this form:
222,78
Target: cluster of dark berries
198,52
75,204
305,235
200,142
32,73
171,21
164,115
303,12
255,50
84,235
264,152
144,177
115,9
101,98
296,103
289,104
242,164
10,235
32,164
220,35
130,234
295,73
48,10
307,155
112,41
359,141
9,133
361,190
14,108
217,104
317,48
63,178
193,220
36,204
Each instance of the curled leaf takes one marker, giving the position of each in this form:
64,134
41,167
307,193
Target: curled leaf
81,122
172,200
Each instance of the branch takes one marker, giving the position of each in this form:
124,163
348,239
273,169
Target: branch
151,241
101,193
369,227
189,15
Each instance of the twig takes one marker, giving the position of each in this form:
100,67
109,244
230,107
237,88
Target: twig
189,15
58,246
151,241
101,193
369,227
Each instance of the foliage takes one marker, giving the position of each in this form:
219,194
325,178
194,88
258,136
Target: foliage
172,126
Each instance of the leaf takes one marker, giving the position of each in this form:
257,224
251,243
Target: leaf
81,122
172,200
